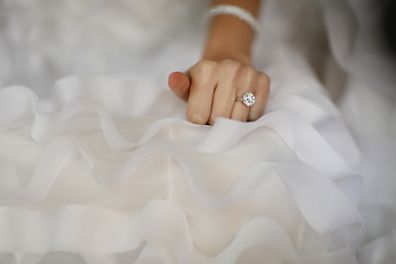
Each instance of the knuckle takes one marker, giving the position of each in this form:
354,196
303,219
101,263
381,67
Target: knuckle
196,118
230,65
202,73
202,83
264,83
247,71
264,79
203,67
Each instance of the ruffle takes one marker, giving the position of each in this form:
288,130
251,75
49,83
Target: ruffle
131,119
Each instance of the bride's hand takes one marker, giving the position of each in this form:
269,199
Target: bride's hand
210,88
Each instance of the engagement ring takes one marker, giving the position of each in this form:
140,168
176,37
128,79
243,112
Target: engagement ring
248,99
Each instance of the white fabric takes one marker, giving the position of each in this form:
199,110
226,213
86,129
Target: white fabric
99,165
369,107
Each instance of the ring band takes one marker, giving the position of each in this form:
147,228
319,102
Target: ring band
247,99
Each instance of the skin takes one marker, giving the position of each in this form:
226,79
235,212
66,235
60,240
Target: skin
224,72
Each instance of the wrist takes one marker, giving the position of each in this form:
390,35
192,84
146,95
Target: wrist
219,55
228,38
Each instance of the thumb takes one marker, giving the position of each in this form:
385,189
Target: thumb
179,83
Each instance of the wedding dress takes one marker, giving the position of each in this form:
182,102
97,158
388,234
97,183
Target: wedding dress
368,107
98,163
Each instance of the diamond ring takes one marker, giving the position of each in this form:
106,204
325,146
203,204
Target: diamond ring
248,99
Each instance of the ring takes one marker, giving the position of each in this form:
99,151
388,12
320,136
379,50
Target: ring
248,99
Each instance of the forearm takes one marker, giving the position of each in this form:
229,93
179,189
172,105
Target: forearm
228,36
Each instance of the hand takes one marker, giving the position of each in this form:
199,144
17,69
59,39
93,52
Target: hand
210,88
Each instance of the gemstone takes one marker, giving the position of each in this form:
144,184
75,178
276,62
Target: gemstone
248,99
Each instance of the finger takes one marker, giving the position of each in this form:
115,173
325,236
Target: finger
179,83
224,94
200,102
202,86
261,95
244,83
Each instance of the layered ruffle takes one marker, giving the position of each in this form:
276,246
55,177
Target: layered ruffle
109,166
